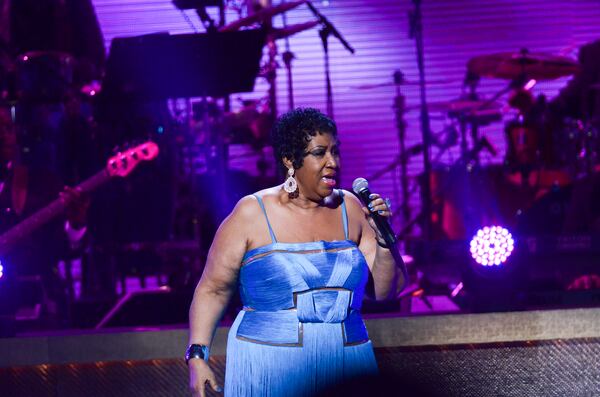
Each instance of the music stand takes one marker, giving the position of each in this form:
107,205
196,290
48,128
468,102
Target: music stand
160,66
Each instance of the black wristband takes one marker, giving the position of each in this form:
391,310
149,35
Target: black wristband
196,351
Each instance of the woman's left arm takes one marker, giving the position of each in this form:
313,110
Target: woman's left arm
387,277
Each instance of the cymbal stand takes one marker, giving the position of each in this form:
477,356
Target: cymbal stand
416,32
460,163
399,107
327,30
288,56
471,81
271,67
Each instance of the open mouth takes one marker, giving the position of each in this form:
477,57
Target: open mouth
329,181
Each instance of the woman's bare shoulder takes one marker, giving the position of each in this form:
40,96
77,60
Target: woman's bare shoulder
352,202
248,208
269,195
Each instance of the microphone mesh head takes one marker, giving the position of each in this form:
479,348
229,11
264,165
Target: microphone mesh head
359,184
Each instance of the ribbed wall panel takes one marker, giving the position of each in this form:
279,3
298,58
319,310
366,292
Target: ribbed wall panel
454,31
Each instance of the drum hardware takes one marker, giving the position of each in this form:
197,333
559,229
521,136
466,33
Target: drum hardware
443,140
288,56
464,167
465,107
470,83
399,105
466,113
261,16
526,138
405,153
284,33
405,82
415,17
327,30
200,7
514,65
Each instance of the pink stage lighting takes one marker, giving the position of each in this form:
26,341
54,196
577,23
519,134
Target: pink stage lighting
492,245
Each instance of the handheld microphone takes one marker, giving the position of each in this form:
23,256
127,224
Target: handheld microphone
361,188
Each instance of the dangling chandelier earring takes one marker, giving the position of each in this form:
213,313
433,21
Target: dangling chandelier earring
290,185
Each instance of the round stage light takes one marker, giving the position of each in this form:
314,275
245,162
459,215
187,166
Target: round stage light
492,245
1,270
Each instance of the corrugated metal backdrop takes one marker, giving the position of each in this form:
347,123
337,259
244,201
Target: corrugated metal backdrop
454,31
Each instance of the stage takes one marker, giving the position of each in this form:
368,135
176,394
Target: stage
130,130
550,353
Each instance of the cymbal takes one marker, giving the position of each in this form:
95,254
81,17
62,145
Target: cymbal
261,16
512,65
463,106
478,111
404,82
282,33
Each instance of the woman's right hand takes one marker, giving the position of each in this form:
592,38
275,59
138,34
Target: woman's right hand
200,374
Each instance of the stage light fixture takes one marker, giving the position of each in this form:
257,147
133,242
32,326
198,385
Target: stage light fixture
492,246
1,270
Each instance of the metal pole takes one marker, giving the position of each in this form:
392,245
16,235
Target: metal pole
417,33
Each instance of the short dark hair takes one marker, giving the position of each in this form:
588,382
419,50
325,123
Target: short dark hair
293,130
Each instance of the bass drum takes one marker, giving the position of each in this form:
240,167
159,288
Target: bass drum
547,214
569,210
463,200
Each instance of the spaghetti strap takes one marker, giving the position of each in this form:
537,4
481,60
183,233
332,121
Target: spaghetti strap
262,206
344,215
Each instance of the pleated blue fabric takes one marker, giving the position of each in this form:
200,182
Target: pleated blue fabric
300,330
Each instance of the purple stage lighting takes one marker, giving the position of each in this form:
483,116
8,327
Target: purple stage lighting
492,245
1,270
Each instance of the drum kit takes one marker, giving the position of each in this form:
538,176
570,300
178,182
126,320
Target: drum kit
542,154
538,155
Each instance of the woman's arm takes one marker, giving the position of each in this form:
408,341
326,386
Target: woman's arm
387,277
217,285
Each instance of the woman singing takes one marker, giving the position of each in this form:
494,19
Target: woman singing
301,253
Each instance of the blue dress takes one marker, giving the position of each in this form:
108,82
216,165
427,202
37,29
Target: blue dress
300,330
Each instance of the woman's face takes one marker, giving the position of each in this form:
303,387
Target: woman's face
319,172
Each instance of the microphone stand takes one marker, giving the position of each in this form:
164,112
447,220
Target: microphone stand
416,32
327,30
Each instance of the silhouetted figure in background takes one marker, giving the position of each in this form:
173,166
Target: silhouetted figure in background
580,100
